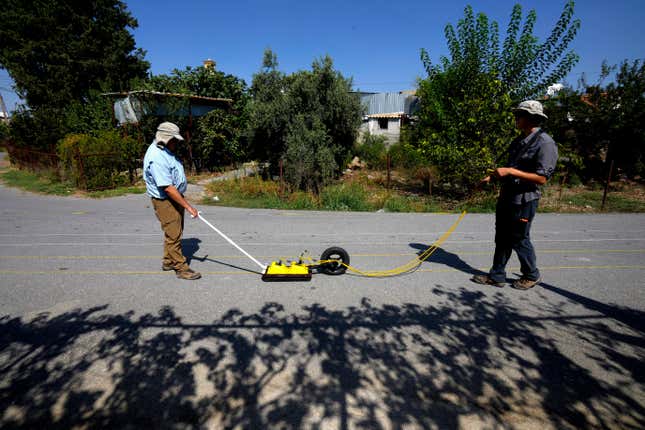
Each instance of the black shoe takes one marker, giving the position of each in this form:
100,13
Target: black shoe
486,280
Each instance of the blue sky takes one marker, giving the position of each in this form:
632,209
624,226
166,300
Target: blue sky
376,42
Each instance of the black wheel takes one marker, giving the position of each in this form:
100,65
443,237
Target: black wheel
334,267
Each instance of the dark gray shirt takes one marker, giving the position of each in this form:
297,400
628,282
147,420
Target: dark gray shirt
540,156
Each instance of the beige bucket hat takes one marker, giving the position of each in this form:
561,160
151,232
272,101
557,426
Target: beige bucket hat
533,107
167,131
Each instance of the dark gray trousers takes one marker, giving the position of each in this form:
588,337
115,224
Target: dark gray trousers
512,233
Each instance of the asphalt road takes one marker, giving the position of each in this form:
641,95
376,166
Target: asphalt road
94,335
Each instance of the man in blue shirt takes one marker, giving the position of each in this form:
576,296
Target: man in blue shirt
532,160
166,184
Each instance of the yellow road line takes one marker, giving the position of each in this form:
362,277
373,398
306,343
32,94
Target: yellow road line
236,257
242,272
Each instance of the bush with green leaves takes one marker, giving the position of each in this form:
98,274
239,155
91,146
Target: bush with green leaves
58,51
372,149
403,155
100,161
309,155
41,128
90,115
292,117
461,129
345,197
37,129
597,123
218,138
61,54
4,133
524,66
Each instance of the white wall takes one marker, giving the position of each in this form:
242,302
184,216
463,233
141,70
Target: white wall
392,133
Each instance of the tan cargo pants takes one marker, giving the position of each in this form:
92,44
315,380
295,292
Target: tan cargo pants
171,217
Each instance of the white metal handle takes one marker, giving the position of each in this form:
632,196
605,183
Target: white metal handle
262,266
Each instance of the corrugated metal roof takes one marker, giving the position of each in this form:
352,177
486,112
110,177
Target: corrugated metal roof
384,103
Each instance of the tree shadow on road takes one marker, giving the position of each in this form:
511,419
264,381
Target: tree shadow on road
470,358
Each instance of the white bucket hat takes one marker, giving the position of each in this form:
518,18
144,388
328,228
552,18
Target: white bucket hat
533,107
167,131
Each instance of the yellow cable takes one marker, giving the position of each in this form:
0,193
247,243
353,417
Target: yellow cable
407,267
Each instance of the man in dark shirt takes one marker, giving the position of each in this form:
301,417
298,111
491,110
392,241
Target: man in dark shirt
532,160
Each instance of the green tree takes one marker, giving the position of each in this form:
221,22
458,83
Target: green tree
602,122
199,81
217,140
309,153
460,129
60,54
268,111
626,102
524,65
219,136
57,51
4,132
324,93
309,119
464,118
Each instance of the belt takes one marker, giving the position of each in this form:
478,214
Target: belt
155,198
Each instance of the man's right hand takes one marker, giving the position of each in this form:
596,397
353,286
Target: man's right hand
192,211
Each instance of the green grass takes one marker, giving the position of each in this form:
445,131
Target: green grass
345,197
365,196
115,192
29,181
614,203
48,184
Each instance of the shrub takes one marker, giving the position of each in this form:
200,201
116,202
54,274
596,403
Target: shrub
4,132
397,203
309,155
302,200
309,118
37,129
404,156
345,197
372,150
100,161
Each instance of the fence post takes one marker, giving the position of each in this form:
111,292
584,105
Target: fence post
562,183
604,196
81,171
388,171
281,178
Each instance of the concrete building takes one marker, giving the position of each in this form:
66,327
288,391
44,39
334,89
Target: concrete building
387,112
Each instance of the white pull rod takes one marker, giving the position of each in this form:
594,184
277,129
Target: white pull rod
262,266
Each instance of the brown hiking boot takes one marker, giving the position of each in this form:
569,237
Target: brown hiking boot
167,267
486,280
189,274
525,284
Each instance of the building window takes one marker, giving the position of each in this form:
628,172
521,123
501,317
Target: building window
382,123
